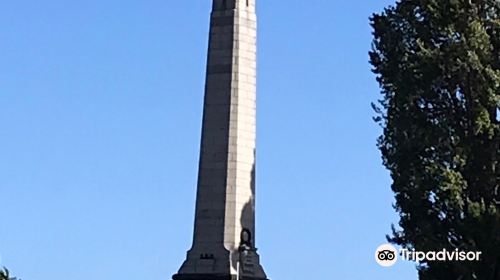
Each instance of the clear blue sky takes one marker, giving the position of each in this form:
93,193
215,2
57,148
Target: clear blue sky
100,117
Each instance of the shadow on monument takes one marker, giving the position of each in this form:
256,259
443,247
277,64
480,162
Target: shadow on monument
249,261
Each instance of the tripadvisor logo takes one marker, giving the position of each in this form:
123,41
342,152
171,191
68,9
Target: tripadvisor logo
387,255
440,256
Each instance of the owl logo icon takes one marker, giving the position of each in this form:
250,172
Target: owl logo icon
386,255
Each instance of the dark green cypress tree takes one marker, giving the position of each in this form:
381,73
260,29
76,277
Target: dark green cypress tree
4,274
438,65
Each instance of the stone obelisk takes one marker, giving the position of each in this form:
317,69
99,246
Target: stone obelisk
224,231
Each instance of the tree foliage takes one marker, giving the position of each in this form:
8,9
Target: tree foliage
438,65
4,274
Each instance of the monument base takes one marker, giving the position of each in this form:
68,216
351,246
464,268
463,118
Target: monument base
212,277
